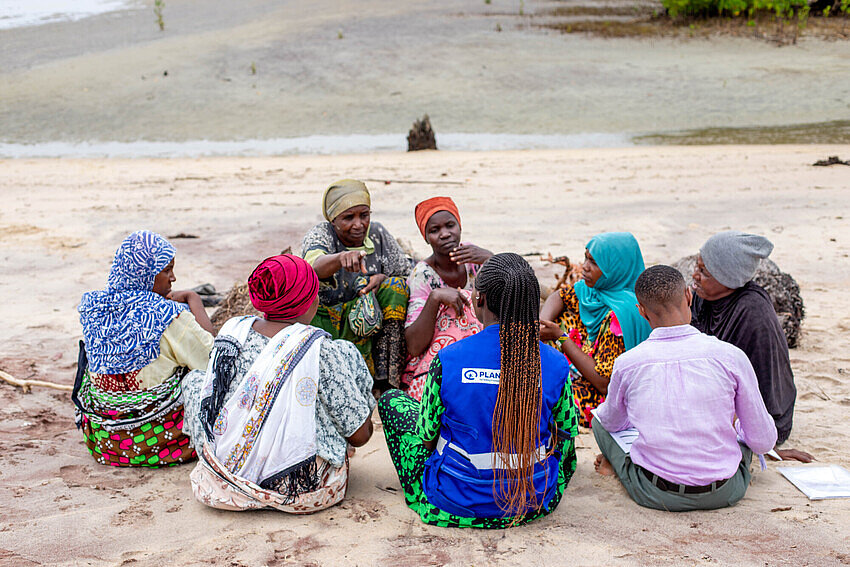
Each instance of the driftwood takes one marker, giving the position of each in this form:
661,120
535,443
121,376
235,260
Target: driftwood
27,385
572,274
781,287
209,296
421,136
831,160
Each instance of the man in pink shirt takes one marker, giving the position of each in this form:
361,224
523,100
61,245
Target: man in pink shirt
682,391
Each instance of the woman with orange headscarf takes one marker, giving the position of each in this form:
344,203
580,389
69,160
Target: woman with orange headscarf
439,311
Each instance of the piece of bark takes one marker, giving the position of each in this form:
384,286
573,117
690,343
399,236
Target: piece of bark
421,136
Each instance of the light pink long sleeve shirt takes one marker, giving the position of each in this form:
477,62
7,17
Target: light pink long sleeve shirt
681,389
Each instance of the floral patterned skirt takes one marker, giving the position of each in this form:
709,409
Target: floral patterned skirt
138,428
214,485
384,352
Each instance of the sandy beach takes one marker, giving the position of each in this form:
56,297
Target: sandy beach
270,77
62,219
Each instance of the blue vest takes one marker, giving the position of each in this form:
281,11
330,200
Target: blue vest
459,475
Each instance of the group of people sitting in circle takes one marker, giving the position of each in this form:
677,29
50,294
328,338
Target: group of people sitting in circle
480,390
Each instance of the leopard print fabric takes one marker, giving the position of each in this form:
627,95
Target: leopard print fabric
605,350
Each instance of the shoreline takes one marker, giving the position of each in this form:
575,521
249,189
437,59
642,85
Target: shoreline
836,133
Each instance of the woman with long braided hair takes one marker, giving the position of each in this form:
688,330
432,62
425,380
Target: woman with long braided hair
491,445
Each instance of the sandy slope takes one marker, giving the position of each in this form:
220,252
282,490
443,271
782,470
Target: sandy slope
62,219
104,78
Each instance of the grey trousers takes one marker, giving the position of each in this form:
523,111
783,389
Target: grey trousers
642,491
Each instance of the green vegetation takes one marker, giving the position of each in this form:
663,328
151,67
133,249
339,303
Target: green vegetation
158,5
782,8
779,11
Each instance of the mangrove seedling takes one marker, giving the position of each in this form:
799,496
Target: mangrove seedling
158,5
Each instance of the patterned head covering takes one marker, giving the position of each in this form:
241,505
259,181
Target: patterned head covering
619,258
122,325
343,195
283,287
426,209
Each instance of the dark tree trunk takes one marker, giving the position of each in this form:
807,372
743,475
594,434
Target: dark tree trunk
421,136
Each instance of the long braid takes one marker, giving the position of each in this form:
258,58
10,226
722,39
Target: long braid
512,294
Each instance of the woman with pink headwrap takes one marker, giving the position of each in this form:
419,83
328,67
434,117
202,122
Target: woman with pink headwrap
280,400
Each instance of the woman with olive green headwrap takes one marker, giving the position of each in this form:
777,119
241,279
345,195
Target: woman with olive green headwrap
362,270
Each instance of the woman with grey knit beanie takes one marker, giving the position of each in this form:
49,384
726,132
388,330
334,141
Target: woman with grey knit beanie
731,307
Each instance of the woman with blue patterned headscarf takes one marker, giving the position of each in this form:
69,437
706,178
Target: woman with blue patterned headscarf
139,340
597,319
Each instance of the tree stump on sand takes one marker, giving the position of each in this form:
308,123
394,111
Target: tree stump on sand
421,136
781,287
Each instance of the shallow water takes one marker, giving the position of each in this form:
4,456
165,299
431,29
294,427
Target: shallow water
261,71
835,132
350,144
22,13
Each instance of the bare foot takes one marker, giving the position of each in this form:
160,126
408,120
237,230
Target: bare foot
350,450
795,455
602,466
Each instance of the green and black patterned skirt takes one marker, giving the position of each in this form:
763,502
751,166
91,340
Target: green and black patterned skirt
399,413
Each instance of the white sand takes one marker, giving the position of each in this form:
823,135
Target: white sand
61,221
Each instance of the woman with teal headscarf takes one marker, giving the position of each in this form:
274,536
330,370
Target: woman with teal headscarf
597,319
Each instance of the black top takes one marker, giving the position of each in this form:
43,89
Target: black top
746,319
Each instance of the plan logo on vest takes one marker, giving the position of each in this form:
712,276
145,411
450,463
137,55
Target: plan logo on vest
480,375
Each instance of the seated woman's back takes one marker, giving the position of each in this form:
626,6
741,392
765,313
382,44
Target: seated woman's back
279,402
459,475
139,341
492,443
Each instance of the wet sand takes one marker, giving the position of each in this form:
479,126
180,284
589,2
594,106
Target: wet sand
116,77
62,220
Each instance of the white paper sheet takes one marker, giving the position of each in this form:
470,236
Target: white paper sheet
819,483
624,438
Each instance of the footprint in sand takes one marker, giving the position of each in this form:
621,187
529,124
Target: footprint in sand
133,515
364,511
297,552
415,551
